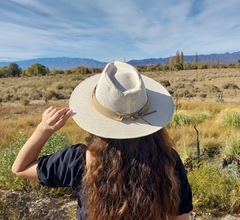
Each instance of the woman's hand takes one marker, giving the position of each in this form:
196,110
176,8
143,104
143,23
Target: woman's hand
54,118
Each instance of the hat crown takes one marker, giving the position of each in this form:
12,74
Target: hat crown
121,88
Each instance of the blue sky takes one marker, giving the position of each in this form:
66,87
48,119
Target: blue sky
107,30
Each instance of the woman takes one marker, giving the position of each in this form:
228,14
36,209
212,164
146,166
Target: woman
129,169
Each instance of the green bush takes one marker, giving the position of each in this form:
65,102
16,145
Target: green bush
230,118
186,118
200,117
8,155
214,190
56,142
9,180
181,118
233,147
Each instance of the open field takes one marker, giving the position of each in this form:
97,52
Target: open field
206,85
208,99
22,99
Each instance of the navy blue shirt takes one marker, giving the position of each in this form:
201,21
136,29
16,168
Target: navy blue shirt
65,168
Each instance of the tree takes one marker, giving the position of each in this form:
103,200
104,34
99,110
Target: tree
238,64
177,59
4,71
182,58
196,59
81,70
37,69
171,63
14,69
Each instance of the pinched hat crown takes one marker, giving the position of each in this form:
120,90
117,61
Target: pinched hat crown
121,89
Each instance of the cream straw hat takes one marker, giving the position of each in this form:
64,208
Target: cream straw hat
120,103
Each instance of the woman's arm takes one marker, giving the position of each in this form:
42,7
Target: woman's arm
26,161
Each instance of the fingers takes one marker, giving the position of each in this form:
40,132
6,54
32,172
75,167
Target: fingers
48,110
55,117
55,111
63,118
52,110
59,113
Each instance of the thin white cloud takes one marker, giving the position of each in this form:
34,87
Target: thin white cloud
106,30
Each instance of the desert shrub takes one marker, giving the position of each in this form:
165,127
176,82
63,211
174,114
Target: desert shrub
8,180
230,118
233,146
24,101
210,89
68,85
8,155
17,98
203,95
58,72
186,93
165,83
200,117
230,86
214,189
212,147
7,97
68,71
233,169
186,118
178,66
60,86
77,79
36,95
181,118
51,94
180,85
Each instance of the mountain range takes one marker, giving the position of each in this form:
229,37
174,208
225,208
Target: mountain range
67,63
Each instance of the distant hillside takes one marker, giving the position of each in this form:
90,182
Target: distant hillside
60,63
223,58
67,63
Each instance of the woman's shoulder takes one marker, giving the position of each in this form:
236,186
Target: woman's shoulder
62,168
79,149
70,153
74,154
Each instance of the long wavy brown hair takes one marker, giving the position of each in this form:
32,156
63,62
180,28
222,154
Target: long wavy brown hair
132,178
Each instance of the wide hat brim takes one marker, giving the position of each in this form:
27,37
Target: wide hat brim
89,119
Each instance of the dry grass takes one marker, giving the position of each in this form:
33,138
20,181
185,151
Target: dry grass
16,117
201,81
212,135
36,88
